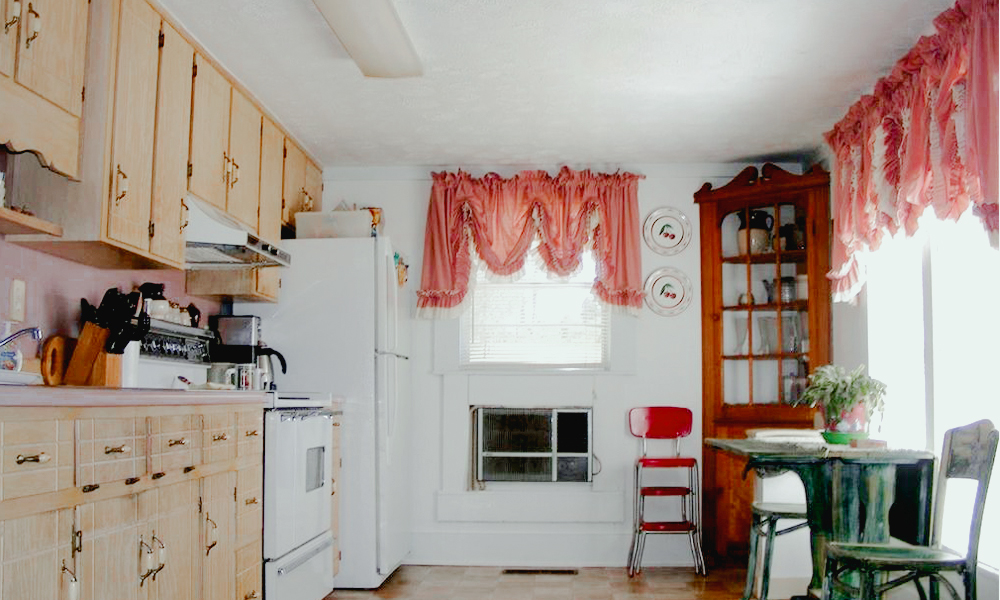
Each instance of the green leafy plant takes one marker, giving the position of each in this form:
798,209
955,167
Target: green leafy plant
837,391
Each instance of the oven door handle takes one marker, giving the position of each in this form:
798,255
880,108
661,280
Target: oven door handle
304,559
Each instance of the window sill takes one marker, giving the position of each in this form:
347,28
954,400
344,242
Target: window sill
578,506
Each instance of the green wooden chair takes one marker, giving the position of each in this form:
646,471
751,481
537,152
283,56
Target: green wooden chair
764,524
968,454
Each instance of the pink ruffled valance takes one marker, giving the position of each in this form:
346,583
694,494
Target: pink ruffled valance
501,217
926,137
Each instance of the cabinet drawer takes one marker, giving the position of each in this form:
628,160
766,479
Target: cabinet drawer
249,505
110,449
249,574
218,437
37,457
250,431
174,442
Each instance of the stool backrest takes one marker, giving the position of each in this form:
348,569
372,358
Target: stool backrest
968,454
660,423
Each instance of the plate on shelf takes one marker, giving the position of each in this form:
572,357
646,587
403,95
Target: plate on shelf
667,231
668,291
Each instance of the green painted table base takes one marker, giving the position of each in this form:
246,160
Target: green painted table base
849,491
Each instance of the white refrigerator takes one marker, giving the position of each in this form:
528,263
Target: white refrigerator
340,325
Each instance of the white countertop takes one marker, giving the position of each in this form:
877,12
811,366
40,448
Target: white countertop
40,395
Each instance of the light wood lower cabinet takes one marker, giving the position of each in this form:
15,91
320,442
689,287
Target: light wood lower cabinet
138,503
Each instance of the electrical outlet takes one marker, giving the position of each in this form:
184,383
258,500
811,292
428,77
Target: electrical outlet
17,300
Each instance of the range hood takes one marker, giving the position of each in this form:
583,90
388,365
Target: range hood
217,241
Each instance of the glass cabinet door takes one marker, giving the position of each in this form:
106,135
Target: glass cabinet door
765,312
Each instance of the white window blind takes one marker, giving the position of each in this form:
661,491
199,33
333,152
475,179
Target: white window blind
535,320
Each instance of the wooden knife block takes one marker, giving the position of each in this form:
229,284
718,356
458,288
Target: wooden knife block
86,362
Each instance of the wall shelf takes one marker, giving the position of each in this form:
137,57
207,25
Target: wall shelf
13,222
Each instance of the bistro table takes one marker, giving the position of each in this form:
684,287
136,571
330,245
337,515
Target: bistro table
849,491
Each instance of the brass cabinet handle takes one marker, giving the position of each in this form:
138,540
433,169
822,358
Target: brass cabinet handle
180,442
15,16
226,168
41,457
252,433
212,533
34,25
235,173
184,207
123,449
220,437
250,501
121,183
251,596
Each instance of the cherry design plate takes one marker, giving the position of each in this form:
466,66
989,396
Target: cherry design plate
666,231
668,291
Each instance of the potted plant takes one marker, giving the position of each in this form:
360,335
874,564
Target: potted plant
846,399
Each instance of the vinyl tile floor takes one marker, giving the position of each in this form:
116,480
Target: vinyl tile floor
491,583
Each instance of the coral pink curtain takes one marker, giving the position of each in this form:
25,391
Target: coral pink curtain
501,217
926,137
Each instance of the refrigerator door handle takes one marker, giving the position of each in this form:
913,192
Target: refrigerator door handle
381,353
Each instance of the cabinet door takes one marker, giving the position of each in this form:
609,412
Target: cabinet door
51,50
249,505
8,39
269,221
134,124
170,526
295,182
34,549
218,555
209,134
314,187
108,567
173,122
244,151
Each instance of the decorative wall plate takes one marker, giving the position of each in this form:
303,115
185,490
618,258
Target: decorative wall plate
667,231
668,291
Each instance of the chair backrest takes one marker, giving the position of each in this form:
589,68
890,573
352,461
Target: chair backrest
968,454
660,422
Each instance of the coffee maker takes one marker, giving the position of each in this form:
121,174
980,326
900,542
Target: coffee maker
238,341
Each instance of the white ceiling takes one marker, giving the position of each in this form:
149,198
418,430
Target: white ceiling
577,82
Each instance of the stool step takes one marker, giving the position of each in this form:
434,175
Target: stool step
667,526
665,491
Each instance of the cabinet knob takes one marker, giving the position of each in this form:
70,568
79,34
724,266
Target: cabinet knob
250,501
15,16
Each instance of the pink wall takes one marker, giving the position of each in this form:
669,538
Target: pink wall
55,286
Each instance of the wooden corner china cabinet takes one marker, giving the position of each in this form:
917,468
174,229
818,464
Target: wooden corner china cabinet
765,252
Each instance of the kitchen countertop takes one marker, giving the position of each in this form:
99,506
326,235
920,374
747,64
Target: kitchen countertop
40,395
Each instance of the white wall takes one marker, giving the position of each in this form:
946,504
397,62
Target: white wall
548,525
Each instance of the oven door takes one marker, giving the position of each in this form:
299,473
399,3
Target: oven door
297,485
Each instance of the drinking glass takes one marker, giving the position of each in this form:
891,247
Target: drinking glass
741,323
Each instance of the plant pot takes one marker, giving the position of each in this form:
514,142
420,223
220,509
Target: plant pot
848,425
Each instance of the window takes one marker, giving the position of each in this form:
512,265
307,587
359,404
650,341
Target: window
533,444
535,319
934,338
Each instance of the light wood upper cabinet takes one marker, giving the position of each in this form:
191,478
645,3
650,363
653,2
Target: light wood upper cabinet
244,153
134,124
53,32
42,55
313,187
8,36
210,160
295,182
170,157
272,144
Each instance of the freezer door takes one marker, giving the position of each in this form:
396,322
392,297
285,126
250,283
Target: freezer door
393,464
305,574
